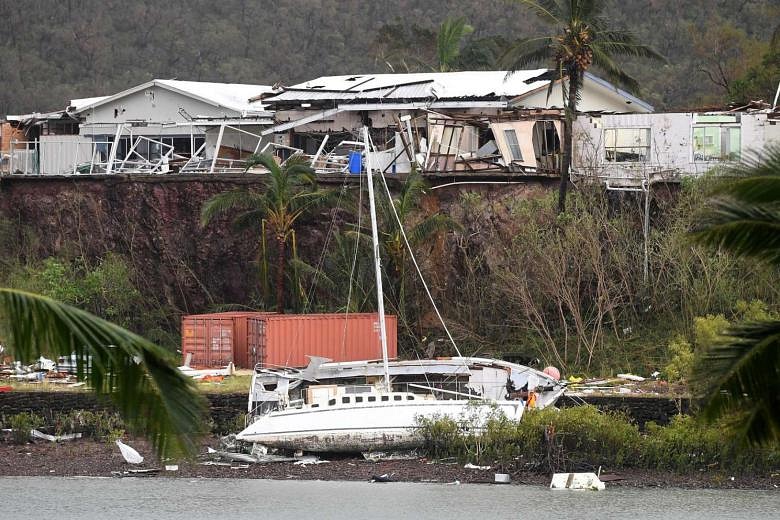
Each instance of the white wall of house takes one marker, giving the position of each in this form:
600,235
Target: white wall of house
594,98
627,145
152,105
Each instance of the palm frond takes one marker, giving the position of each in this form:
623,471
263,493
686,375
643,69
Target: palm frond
228,201
611,69
264,159
151,394
758,177
528,52
741,379
623,43
548,10
448,41
744,229
430,226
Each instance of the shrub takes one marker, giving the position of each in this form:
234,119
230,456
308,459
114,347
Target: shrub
21,424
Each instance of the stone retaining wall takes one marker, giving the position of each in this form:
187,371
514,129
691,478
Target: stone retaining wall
225,408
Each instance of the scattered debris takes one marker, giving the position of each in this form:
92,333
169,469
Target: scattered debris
232,456
382,478
130,455
135,472
376,456
631,377
472,466
208,374
35,434
171,467
586,481
309,459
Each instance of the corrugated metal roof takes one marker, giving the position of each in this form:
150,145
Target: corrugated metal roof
229,95
234,96
433,85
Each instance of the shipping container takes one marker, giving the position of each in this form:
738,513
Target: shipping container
249,338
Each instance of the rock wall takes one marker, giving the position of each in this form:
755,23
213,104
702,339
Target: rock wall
224,408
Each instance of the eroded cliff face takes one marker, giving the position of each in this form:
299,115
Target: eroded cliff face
151,221
154,223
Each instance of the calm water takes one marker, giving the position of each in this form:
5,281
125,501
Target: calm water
238,499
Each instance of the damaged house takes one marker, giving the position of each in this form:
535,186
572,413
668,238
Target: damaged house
150,128
440,123
630,150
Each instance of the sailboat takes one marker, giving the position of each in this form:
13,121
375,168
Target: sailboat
379,405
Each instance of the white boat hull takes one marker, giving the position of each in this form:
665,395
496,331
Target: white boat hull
367,426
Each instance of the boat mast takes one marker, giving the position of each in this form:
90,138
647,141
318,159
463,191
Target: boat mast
377,261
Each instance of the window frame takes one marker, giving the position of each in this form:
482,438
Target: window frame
723,137
512,146
615,148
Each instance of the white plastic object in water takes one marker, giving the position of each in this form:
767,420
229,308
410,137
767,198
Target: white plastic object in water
576,481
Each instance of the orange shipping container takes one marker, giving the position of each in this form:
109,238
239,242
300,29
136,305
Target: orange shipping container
248,338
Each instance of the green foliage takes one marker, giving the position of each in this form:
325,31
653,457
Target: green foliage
681,360
687,444
97,425
739,373
291,193
101,58
582,437
152,395
21,424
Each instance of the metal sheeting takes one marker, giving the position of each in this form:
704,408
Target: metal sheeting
438,85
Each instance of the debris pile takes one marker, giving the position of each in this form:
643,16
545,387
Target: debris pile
62,372
622,384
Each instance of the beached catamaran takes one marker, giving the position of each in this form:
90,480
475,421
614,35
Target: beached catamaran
379,405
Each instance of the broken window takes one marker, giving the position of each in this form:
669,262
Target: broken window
627,144
716,143
514,146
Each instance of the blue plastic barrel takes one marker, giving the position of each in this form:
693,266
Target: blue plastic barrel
355,163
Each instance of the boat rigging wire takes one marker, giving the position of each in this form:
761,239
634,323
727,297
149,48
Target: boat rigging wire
414,260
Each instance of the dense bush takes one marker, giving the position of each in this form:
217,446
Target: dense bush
584,438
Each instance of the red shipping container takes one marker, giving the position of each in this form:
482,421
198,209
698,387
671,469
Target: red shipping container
248,338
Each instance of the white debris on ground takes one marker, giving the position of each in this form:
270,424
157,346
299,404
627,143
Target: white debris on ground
129,454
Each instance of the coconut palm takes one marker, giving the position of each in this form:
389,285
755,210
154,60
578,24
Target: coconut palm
419,230
142,380
741,375
581,37
290,192
448,41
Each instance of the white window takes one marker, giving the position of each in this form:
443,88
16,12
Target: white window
514,146
716,143
627,144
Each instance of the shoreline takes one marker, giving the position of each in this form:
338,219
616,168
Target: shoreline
89,458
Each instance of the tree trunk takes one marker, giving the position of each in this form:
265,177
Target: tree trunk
280,243
568,127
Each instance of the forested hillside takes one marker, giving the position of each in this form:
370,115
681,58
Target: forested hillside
55,50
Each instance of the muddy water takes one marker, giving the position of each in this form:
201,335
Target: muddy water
237,499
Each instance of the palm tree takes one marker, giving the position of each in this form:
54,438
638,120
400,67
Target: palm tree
448,41
741,375
142,380
394,251
291,191
581,38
